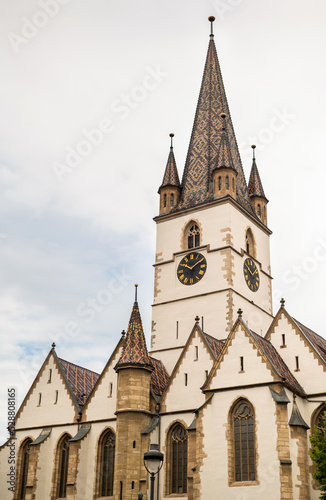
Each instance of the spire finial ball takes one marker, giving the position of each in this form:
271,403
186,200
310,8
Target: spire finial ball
171,135
253,146
211,19
223,115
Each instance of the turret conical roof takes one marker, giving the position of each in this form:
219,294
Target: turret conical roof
255,184
135,351
171,177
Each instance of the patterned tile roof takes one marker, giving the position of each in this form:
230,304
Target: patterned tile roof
171,177
277,362
255,185
81,380
134,350
205,140
316,340
214,344
159,377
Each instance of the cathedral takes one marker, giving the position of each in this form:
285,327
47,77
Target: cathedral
228,391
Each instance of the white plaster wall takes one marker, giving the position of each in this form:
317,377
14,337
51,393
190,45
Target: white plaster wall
102,405
229,374
181,396
214,472
311,374
48,412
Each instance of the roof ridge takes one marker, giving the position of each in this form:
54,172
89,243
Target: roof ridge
79,366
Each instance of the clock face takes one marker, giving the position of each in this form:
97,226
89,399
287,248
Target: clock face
192,268
251,274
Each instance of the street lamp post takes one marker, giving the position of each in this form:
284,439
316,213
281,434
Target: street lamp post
153,461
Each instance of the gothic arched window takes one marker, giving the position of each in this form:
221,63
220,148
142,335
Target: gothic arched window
24,460
220,183
164,198
227,182
178,452
250,243
63,451
259,210
172,199
106,463
193,236
320,419
243,422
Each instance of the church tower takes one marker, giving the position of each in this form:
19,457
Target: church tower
133,413
212,247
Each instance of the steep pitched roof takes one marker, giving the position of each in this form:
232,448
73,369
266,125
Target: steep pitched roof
255,185
214,344
171,177
159,377
81,380
318,342
277,362
205,140
135,350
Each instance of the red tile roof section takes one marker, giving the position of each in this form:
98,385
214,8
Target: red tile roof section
214,344
159,377
81,380
171,177
255,184
316,340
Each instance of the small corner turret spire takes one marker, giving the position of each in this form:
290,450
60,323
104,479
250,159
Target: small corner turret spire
170,188
211,20
256,191
224,174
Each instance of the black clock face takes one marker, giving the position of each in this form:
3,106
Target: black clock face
192,268
251,274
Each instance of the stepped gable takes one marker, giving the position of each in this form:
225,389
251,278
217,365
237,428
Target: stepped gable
81,380
159,377
277,362
134,350
214,344
202,157
316,340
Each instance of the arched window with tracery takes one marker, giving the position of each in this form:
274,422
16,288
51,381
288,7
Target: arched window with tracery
63,451
177,459
193,236
319,420
106,456
24,460
243,430
250,243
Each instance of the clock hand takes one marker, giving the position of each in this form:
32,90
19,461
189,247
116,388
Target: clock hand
196,263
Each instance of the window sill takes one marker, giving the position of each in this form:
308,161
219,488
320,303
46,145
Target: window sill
282,346
244,483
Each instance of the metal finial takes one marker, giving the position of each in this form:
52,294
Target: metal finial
53,345
253,151
171,135
123,333
197,319
282,302
240,313
136,286
211,20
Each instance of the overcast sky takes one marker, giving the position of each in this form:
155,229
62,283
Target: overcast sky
76,229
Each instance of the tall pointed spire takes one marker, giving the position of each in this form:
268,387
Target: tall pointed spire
135,351
205,139
171,177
